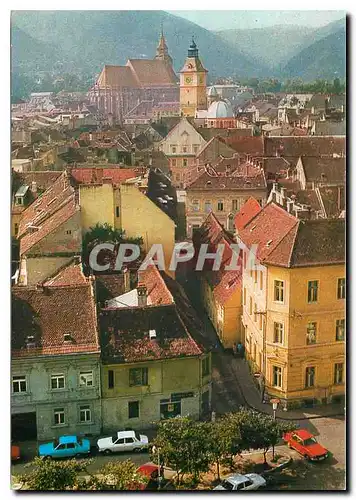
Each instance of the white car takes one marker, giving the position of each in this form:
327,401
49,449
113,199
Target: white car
123,441
240,482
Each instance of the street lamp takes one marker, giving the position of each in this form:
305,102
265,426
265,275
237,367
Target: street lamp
155,449
275,403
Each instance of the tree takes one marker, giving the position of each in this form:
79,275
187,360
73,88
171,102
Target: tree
184,446
52,475
104,233
116,476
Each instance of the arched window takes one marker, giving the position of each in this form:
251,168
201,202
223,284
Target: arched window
230,222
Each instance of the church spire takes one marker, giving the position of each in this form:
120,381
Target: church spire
162,49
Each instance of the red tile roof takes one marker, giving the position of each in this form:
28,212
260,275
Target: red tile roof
306,146
243,177
71,275
249,210
103,175
242,144
153,72
48,314
157,290
52,223
283,240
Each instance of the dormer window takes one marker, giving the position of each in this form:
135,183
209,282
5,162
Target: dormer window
30,341
152,334
269,242
67,337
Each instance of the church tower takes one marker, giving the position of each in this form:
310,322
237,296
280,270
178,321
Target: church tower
162,50
192,83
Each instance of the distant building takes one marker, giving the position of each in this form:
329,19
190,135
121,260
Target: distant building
119,89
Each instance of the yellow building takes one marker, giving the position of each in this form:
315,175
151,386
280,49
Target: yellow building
294,304
152,368
220,290
192,84
124,206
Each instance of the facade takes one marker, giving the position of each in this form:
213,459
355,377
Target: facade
152,369
294,305
55,369
181,145
193,77
223,190
120,202
220,290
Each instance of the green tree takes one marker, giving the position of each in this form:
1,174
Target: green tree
103,233
115,476
184,446
52,475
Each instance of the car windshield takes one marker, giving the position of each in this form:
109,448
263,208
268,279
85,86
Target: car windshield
79,441
114,438
55,443
309,441
227,485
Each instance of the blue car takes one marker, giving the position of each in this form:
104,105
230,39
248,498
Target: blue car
65,447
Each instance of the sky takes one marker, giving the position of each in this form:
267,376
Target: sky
246,19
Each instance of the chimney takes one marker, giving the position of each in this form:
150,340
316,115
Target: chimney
34,187
141,294
126,274
290,206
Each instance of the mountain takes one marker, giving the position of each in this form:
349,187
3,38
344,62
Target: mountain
90,39
325,59
270,46
26,52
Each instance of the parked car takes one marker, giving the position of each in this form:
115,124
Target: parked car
305,443
123,441
240,482
65,447
150,471
15,452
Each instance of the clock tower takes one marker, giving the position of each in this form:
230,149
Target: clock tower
192,84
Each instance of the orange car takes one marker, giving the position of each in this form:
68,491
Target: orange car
15,452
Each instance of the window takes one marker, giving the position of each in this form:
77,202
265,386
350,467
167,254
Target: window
278,333
184,149
69,231
220,206
134,409
234,205
185,162
341,288
111,379
57,381
174,163
261,280
340,329
260,321
277,376
245,296
195,149
312,291
255,312
59,416
310,376
117,211
206,366
177,177
195,205
250,306
278,291
138,376
70,446
174,149
16,228
84,414
129,440
19,383
311,333
256,274
338,373
86,379
207,206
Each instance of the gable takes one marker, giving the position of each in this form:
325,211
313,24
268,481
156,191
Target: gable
184,128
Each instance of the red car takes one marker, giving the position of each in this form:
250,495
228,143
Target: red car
150,471
15,452
305,443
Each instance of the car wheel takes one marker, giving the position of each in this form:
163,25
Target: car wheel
137,450
48,457
107,452
78,455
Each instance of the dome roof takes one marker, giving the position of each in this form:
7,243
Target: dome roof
212,92
220,109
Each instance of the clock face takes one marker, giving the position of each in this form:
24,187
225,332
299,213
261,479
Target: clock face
188,80
190,66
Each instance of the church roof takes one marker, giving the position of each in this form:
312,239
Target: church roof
116,76
152,72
